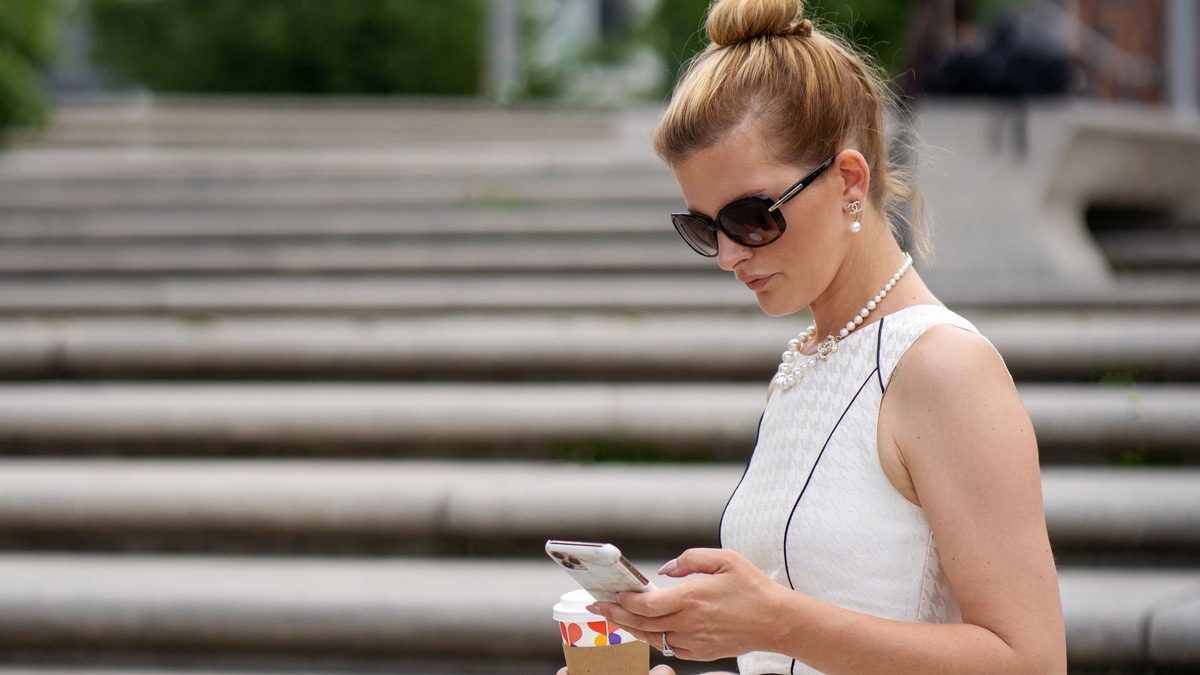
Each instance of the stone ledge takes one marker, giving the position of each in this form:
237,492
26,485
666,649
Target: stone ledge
403,255
504,500
413,187
300,222
434,607
716,420
1173,631
680,291
1125,616
372,498
660,346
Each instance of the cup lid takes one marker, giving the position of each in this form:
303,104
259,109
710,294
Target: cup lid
572,605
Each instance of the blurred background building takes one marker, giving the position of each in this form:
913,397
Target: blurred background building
592,51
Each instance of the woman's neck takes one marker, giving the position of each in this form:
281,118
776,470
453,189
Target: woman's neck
867,268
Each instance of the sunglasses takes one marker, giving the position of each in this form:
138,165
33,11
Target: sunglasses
752,222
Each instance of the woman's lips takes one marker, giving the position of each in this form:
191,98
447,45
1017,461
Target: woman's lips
756,283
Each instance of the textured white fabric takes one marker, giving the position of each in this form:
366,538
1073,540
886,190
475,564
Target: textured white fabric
839,532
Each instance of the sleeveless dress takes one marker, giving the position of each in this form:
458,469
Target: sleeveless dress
816,512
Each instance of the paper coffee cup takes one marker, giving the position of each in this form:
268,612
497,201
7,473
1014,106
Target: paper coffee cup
592,645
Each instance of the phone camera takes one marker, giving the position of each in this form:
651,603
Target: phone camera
570,562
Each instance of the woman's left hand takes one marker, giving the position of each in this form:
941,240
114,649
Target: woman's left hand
726,613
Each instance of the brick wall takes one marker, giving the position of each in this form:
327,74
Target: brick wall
1136,28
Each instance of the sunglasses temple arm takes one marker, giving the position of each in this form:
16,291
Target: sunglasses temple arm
787,195
801,184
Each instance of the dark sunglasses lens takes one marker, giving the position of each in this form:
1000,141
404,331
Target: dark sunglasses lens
696,233
749,223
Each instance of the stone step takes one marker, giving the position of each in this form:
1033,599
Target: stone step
408,293
518,420
298,293
298,121
459,664
474,239
317,224
661,252
1080,345
407,506
380,607
405,607
618,140
410,507
508,188
216,664
1153,249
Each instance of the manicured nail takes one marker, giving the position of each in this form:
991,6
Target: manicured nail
670,567
593,608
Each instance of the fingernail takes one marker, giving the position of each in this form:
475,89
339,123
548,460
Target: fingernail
670,567
593,608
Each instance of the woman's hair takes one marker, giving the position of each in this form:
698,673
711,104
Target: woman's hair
809,93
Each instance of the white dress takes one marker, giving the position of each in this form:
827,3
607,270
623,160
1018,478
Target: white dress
815,510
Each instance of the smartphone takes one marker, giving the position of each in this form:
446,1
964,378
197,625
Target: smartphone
599,568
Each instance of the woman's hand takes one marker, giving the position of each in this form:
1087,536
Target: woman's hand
725,613
655,670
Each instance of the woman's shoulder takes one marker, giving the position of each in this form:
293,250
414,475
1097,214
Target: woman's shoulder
947,350
917,318
948,366
928,331
950,389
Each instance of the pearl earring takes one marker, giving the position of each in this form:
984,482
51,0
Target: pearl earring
855,207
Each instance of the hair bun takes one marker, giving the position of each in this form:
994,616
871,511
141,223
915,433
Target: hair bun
731,22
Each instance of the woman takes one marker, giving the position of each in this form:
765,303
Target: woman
890,520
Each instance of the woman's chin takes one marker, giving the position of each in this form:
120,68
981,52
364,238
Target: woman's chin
772,307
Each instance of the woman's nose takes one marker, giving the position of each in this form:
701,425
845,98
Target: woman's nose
729,252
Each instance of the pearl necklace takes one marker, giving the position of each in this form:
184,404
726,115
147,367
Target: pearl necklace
792,370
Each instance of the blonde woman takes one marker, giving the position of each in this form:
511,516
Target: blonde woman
890,519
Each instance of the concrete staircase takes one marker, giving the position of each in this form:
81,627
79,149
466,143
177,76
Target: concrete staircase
301,386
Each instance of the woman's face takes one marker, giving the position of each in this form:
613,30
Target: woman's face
789,273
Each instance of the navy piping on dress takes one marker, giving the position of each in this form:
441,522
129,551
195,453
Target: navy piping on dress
878,355
787,528
721,522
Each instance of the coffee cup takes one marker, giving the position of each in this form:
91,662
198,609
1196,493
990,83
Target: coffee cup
592,645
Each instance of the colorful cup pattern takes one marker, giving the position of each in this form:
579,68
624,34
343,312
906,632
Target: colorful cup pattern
592,634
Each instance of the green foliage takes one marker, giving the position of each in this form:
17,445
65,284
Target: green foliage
1118,377
293,46
877,26
596,451
28,31
676,31
880,28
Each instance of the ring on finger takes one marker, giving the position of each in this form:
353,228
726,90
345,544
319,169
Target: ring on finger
666,648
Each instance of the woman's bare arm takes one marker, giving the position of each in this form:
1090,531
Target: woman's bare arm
968,446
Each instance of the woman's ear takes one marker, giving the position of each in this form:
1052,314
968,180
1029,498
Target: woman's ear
856,175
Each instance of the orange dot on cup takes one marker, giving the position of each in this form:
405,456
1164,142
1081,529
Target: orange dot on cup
601,640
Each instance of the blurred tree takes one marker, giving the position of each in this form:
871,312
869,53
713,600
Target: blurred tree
879,27
293,46
677,31
28,31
